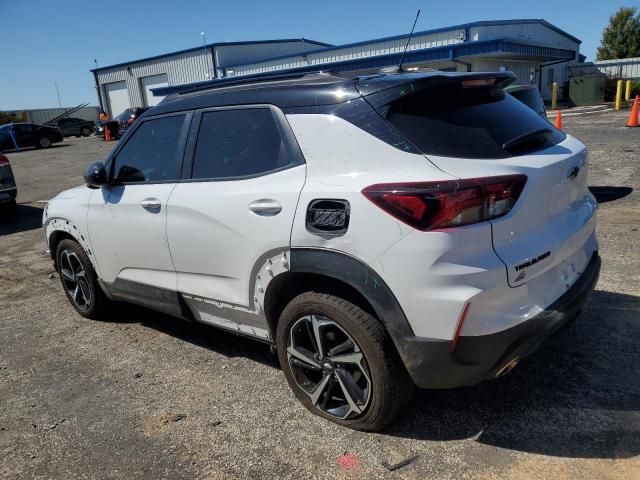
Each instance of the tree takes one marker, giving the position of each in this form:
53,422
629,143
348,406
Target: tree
621,38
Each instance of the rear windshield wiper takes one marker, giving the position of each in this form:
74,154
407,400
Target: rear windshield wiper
539,135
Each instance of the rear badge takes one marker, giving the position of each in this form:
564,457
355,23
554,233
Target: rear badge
529,263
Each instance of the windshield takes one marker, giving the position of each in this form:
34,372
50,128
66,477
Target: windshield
455,120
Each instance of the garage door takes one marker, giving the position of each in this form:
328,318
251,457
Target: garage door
118,97
154,81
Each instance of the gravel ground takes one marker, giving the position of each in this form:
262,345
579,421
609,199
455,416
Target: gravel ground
145,396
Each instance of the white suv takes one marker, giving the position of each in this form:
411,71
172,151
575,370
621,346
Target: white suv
380,232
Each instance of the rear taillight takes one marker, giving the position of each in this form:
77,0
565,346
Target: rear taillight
4,161
450,203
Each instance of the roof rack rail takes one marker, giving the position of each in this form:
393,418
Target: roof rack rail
231,81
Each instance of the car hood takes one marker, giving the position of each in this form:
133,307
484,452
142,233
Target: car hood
74,192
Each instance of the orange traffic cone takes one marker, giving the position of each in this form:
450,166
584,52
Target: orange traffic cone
633,118
558,123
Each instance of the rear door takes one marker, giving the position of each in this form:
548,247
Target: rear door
470,128
239,204
25,134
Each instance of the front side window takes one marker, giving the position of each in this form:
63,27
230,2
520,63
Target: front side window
239,143
151,154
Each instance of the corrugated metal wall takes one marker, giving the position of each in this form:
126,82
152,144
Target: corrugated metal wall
536,32
620,67
181,68
192,66
230,55
522,70
353,52
43,115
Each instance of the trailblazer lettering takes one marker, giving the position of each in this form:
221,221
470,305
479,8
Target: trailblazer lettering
533,261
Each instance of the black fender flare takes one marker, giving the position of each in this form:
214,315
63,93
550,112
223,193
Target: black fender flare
367,282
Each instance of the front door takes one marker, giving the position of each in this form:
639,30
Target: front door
247,175
127,219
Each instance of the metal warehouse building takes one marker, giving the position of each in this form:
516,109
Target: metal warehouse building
534,49
129,84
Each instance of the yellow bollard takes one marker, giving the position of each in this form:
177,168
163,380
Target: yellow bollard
627,92
619,94
554,95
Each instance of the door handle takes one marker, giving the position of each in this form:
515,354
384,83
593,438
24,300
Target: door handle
151,204
265,207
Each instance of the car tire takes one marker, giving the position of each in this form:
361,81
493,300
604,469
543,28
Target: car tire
358,360
44,142
80,281
85,132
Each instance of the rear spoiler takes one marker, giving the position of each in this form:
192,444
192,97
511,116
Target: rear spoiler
403,83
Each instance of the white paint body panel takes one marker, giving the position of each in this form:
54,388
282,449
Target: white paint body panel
67,212
129,241
215,239
341,168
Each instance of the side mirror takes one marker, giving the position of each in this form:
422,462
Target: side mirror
95,175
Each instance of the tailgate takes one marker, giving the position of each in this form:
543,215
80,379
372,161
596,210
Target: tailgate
550,224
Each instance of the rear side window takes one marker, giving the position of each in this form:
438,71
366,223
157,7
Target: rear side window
239,143
450,120
151,154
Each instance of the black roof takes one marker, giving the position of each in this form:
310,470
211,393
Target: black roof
301,90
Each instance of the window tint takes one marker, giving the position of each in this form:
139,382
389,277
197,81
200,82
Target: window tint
23,128
479,122
150,155
238,143
531,98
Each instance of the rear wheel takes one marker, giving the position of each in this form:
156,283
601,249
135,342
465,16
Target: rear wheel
340,362
44,142
80,282
85,132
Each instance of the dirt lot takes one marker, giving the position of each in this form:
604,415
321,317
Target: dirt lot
146,396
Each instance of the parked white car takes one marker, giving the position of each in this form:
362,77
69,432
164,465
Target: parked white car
381,232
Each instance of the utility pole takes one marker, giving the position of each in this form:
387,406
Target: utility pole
207,75
57,93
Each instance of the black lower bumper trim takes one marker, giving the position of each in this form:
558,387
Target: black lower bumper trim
431,363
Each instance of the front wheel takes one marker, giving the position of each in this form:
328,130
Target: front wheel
80,282
340,362
85,132
44,142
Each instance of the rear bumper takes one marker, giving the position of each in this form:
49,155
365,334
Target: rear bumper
8,194
431,363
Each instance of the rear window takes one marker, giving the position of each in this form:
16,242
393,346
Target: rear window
125,115
531,98
475,122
